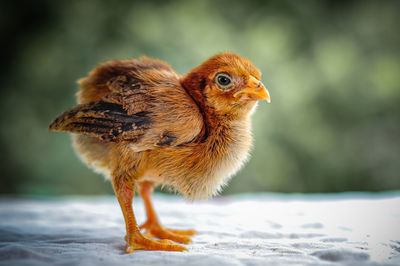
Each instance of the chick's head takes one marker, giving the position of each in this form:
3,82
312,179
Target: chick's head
226,83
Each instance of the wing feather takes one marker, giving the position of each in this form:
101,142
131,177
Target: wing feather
144,106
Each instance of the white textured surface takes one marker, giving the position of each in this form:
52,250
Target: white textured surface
268,229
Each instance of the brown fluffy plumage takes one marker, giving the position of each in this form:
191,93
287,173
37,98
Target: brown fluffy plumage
141,124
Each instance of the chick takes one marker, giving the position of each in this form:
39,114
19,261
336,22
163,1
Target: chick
141,124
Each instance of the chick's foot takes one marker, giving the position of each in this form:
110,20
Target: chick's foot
157,230
139,242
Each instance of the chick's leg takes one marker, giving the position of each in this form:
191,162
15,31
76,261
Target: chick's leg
153,226
124,191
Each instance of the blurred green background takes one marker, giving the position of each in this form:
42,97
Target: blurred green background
332,68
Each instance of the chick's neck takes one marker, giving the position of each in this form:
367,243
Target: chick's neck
214,120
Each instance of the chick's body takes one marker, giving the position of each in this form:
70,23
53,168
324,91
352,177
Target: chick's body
141,124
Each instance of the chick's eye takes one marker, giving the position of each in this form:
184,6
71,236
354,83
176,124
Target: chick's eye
223,80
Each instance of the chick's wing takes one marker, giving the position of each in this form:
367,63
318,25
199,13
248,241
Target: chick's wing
141,104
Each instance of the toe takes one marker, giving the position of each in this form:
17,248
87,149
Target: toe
139,242
184,232
167,234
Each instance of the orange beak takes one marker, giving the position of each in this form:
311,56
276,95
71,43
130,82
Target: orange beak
255,90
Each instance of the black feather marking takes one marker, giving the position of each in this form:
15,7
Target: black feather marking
100,121
143,114
89,126
115,132
167,139
116,113
126,127
142,119
131,140
105,106
109,121
143,122
135,87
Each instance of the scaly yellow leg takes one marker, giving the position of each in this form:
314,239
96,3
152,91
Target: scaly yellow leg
124,191
153,226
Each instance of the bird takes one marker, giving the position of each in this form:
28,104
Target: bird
141,124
